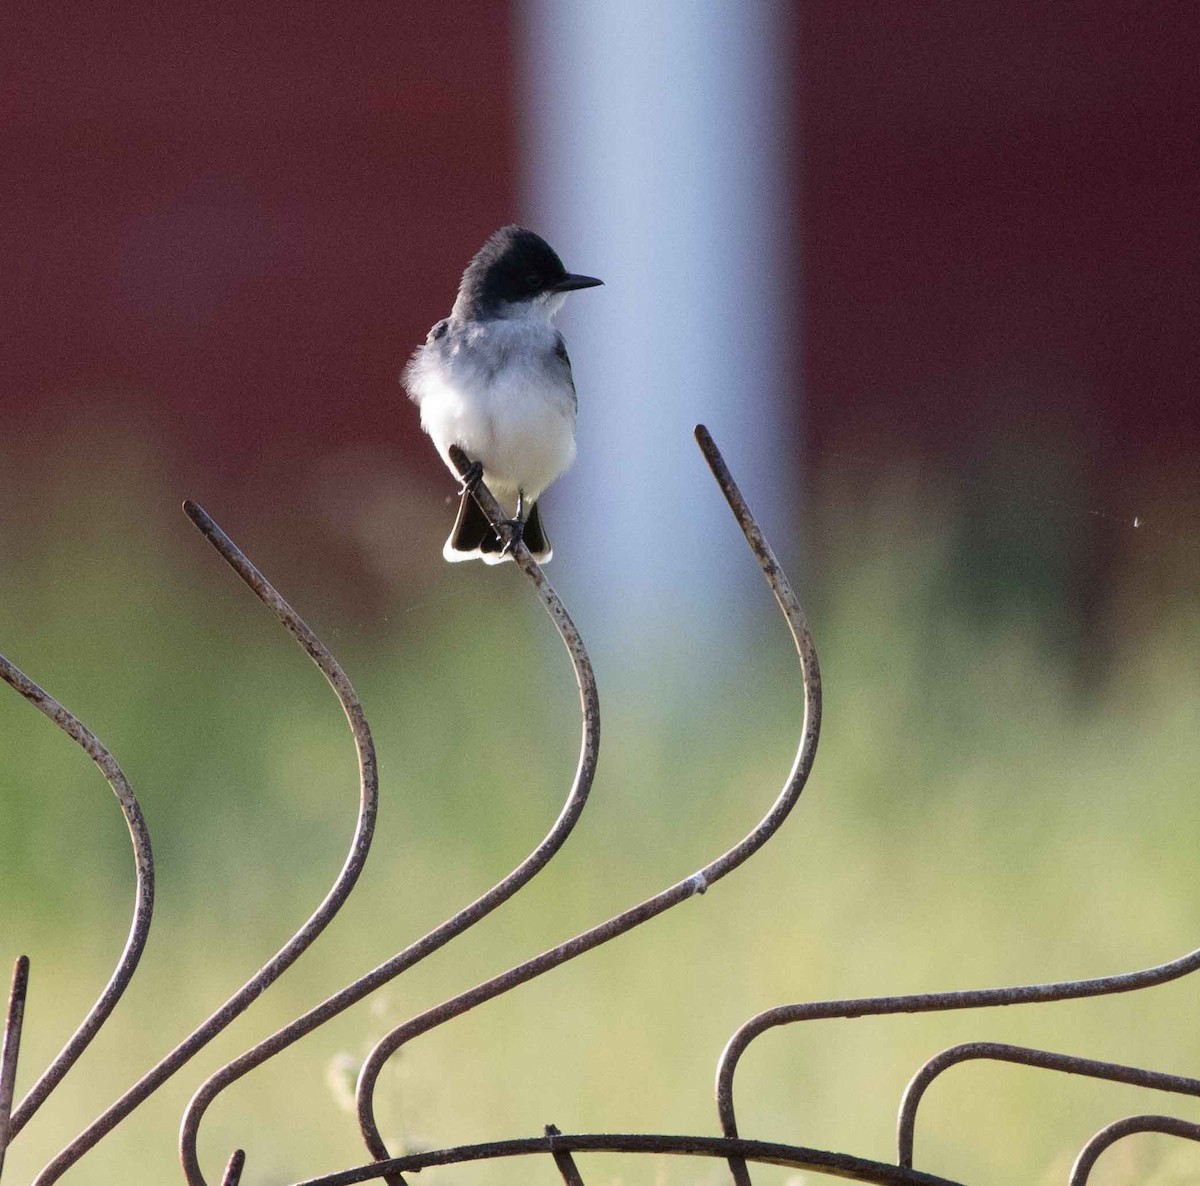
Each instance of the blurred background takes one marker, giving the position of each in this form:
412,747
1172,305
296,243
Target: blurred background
927,272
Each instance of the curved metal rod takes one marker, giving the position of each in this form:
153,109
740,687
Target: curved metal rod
839,1165
143,905
11,1048
1025,1056
682,890
589,753
329,906
1169,1125
1028,994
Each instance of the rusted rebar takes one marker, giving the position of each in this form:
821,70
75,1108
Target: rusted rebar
233,1171
1069,1064
10,1048
442,934
567,1169
737,1151
143,905
1169,1125
925,1003
838,1165
324,913
698,883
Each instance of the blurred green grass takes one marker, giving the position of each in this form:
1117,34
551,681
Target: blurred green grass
979,814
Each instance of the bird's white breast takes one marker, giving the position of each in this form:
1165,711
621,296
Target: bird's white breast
497,389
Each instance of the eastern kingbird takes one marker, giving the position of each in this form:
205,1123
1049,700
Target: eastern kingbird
494,378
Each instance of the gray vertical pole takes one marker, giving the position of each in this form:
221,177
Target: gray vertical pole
659,152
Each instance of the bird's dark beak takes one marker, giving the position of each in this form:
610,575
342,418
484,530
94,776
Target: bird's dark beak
571,282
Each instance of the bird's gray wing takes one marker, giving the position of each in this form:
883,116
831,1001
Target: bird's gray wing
422,355
560,352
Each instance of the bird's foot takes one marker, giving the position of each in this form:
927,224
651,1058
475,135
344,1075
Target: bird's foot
471,477
516,533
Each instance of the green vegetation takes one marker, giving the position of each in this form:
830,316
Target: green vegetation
981,813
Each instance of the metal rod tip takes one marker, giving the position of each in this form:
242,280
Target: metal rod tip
707,445
233,1171
459,458
194,510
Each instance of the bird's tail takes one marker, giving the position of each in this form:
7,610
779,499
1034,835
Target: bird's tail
474,538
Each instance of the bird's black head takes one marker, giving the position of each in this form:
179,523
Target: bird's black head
514,265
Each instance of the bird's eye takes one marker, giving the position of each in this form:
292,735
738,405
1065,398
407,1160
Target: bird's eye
532,279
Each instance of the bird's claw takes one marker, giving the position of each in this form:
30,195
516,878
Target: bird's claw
471,477
516,533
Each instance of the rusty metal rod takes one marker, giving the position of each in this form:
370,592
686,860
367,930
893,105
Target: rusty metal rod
233,1171
324,913
567,1169
927,1003
1120,1129
840,1165
11,1048
1024,1056
589,752
143,903
681,891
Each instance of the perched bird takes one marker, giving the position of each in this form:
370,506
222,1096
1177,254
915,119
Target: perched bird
494,378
